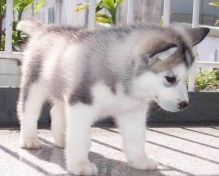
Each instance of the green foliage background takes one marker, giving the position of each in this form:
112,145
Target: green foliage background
111,7
208,80
19,7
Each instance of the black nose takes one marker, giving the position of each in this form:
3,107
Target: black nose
183,105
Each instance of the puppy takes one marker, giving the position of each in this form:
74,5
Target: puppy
93,74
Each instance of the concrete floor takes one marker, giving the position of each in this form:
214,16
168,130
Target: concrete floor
180,151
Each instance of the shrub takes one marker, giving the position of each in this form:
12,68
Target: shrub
208,80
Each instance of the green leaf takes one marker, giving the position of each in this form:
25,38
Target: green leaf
102,18
81,7
20,5
118,2
109,5
39,5
99,6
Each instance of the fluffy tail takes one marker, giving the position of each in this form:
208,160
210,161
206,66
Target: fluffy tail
29,26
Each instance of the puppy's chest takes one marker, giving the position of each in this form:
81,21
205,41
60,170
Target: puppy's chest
108,103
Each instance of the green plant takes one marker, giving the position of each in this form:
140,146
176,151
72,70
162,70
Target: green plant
19,7
111,7
208,80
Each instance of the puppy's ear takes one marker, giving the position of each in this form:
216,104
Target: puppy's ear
197,34
163,52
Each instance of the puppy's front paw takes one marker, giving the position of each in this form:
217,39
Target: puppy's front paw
145,164
83,168
29,142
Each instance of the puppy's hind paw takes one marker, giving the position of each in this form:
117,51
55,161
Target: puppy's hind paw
83,168
29,143
146,164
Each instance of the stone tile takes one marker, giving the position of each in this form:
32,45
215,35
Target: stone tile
180,151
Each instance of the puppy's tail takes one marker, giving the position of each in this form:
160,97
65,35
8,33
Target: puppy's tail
29,26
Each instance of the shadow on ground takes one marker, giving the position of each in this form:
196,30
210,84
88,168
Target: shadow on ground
107,167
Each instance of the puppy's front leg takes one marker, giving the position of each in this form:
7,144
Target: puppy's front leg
132,128
78,139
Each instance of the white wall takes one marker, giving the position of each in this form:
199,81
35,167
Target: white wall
207,48
9,73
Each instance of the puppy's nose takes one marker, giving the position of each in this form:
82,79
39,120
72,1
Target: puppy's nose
183,104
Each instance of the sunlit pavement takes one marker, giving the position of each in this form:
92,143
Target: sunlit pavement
180,151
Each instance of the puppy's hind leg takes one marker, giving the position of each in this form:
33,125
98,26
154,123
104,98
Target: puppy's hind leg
29,107
78,139
58,122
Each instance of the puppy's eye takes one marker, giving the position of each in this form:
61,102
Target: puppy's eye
171,79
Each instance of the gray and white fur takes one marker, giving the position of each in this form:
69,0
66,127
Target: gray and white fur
108,72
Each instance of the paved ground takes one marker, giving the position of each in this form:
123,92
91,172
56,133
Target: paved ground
180,151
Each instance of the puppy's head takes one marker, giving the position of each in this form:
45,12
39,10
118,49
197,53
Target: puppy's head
165,61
